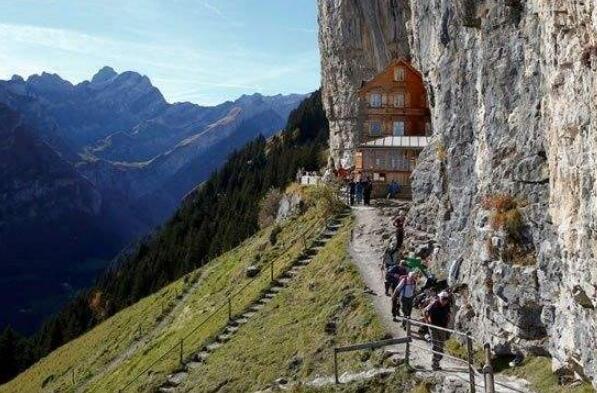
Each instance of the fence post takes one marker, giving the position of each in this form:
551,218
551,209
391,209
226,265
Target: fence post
271,272
488,370
471,368
336,380
73,375
181,350
407,350
229,309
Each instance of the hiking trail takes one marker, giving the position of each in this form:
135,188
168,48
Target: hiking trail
373,229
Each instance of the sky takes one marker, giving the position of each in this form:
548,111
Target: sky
202,51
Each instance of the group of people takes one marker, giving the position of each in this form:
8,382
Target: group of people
401,275
359,191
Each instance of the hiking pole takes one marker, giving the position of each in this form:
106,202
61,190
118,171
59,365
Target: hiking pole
488,370
471,369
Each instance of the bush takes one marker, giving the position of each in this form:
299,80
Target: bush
325,197
273,235
506,216
268,208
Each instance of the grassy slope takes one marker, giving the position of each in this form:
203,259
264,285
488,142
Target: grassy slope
288,339
89,354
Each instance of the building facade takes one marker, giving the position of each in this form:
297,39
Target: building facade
394,123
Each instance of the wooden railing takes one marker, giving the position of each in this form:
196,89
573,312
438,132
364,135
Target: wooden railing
226,306
408,341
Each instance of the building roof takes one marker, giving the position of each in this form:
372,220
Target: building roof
398,141
391,65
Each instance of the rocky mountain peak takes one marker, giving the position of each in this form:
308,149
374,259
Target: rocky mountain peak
104,74
49,82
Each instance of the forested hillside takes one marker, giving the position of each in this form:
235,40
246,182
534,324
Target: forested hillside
215,218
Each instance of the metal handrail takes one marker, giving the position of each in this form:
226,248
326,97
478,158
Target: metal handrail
448,330
218,309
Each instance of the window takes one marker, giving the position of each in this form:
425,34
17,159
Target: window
398,129
380,162
375,128
399,74
375,100
399,99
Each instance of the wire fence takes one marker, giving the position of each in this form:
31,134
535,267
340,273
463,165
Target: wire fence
190,340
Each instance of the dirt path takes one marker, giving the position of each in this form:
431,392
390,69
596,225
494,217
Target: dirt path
371,234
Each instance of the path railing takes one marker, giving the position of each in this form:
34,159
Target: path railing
409,343
179,347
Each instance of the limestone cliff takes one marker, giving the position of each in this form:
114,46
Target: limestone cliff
506,187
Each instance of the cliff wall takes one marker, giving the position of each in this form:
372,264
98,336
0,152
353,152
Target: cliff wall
506,186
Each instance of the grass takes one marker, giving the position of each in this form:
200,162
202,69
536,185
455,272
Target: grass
537,370
86,357
289,339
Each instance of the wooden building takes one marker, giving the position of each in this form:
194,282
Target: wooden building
395,123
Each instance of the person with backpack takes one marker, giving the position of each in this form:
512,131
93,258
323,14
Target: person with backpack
438,314
398,273
405,293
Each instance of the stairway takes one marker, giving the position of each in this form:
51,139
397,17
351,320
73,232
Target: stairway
174,380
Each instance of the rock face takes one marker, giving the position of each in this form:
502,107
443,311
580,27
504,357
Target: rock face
507,182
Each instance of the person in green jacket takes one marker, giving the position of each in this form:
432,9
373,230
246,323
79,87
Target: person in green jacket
414,263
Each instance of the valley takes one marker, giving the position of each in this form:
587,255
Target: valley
128,155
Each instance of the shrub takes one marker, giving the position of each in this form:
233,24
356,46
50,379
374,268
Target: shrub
273,235
506,216
326,198
441,152
268,207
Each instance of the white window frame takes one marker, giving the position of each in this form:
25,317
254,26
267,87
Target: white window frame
399,74
400,99
375,100
394,124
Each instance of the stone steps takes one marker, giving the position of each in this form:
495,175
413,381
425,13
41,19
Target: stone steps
177,378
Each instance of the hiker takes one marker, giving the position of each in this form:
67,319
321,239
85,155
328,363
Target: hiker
438,314
406,291
415,263
393,189
398,274
359,186
351,191
392,276
399,225
367,190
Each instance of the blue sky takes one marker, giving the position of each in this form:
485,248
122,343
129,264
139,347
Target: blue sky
201,51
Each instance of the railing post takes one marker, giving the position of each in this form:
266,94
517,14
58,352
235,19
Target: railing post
304,242
229,308
181,351
336,380
407,350
73,375
271,272
488,370
471,368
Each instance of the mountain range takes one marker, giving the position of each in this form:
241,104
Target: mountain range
87,168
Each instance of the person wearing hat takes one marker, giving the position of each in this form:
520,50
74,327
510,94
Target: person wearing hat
438,314
405,291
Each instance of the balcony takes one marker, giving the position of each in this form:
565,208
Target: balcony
395,110
413,142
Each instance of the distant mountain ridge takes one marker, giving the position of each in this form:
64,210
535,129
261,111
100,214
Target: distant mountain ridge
135,151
